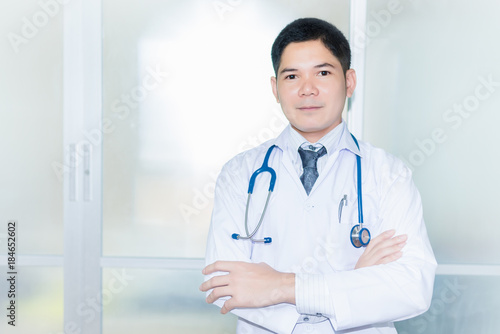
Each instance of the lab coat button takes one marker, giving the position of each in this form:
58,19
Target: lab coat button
306,319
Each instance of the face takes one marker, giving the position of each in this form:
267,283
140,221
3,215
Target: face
311,88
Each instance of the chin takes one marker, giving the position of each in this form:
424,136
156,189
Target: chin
317,129
306,129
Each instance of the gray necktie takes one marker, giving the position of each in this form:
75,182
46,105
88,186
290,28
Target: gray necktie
310,165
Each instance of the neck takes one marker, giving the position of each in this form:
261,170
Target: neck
315,136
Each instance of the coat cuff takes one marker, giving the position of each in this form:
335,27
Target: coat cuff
312,295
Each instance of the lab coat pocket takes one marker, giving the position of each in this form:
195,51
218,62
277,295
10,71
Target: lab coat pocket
342,254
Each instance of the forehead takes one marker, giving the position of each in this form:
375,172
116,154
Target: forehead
308,53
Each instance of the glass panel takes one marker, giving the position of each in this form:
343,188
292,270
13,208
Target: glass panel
31,124
38,300
159,301
460,305
186,87
432,96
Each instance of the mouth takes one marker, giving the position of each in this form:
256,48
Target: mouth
309,108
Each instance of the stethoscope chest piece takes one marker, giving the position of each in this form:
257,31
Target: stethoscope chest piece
360,236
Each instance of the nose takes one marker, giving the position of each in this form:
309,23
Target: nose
308,87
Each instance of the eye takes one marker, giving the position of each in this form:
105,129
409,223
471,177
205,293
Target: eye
323,73
290,76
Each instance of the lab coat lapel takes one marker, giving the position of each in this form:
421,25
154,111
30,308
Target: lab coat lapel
282,142
293,174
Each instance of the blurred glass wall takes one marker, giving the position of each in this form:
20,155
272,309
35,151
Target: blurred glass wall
182,79
432,97
31,124
31,162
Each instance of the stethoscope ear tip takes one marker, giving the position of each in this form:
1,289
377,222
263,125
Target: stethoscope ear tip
268,240
235,236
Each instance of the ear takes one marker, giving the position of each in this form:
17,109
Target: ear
274,86
350,82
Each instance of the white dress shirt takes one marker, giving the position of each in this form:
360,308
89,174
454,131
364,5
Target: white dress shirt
310,240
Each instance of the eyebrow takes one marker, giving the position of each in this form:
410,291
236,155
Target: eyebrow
324,65
287,69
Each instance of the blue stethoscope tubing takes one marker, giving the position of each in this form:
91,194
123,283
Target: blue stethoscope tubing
265,168
360,236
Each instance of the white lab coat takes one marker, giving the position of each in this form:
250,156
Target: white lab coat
308,238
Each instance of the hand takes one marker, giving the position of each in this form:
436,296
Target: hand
382,249
248,285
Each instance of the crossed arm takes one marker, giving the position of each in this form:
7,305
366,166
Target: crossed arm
252,285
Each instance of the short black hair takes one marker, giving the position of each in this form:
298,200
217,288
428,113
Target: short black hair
309,29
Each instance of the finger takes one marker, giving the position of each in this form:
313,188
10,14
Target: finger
383,249
229,305
387,251
391,258
217,266
382,237
384,243
400,239
379,239
214,282
218,293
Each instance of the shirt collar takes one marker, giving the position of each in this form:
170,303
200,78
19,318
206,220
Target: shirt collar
348,143
337,139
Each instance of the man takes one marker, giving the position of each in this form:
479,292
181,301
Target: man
311,278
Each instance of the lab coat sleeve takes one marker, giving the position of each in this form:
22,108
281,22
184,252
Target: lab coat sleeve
228,218
381,293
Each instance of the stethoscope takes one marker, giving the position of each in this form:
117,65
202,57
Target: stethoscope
360,236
